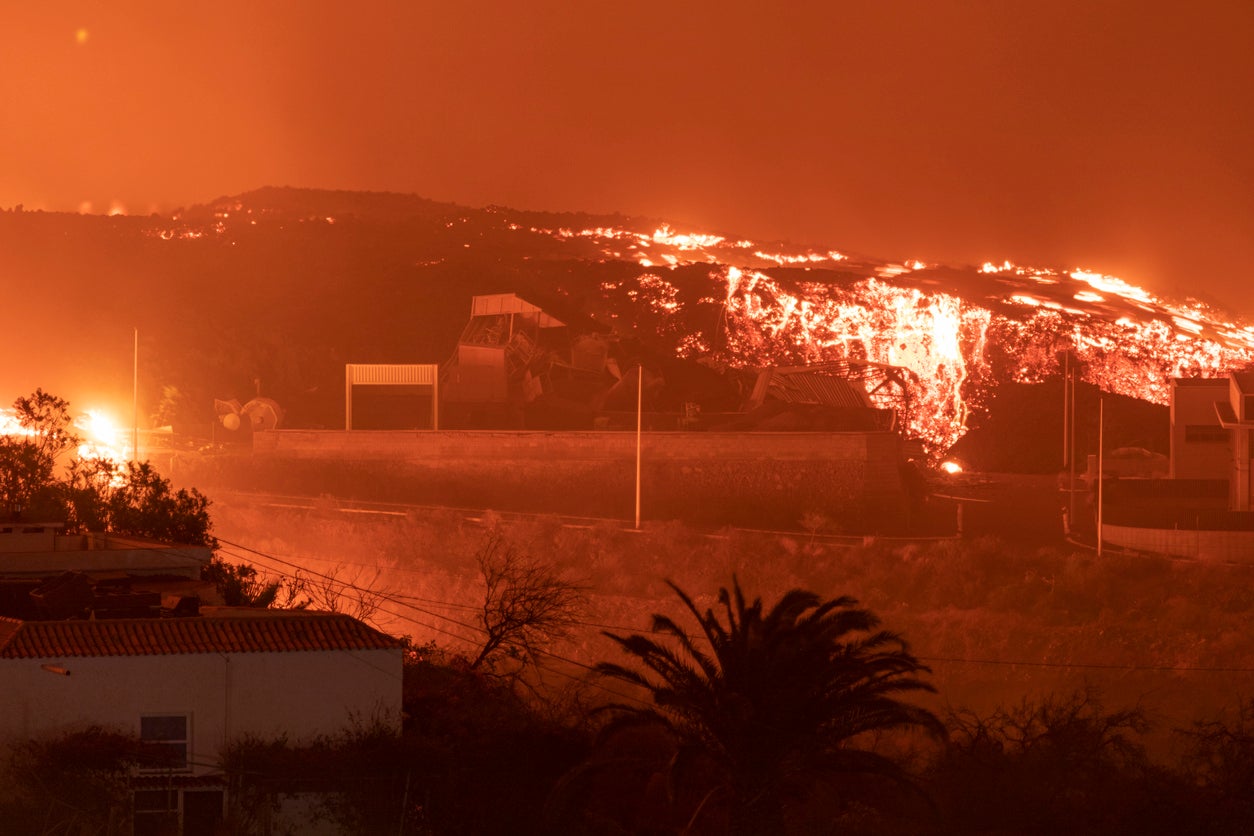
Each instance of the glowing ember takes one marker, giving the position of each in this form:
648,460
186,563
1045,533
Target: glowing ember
951,467
664,235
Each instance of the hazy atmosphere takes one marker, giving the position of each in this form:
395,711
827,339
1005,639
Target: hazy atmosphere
639,419
1112,136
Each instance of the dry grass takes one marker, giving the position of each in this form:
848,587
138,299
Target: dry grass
997,622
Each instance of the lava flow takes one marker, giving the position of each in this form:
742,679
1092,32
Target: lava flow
783,307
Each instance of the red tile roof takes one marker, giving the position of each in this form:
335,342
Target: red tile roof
160,636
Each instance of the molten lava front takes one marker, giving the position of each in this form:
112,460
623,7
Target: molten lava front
1015,324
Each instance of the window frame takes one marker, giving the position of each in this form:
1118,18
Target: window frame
1205,434
181,745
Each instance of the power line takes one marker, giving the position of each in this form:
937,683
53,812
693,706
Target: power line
433,601
1085,665
410,619
945,659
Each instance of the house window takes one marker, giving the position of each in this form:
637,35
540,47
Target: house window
1205,434
156,812
164,738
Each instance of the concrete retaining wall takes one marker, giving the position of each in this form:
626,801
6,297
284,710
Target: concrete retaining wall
1235,546
719,478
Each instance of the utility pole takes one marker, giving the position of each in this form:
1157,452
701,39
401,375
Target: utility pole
1066,410
639,423
1101,430
135,402
1070,454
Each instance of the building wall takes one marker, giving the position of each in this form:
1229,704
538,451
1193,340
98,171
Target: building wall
1193,406
1242,470
182,561
300,694
599,446
1241,398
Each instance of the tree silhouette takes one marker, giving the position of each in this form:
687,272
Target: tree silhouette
766,706
28,458
133,499
526,604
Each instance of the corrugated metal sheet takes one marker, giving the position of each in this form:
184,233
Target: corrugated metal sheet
500,303
810,387
508,303
409,374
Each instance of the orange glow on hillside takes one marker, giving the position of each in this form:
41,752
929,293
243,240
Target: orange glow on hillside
935,335
1127,340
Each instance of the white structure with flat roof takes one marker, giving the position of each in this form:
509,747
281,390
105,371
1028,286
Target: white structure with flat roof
41,550
1236,415
1201,448
1212,422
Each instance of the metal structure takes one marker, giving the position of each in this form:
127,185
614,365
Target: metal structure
501,353
847,384
412,378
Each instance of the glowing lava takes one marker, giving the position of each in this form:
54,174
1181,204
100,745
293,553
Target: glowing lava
959,331
935,335
782,307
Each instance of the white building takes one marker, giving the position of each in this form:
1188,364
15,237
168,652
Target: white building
1212,423
1200,446
189,686
40,550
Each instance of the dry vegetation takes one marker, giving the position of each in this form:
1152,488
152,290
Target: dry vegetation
997,622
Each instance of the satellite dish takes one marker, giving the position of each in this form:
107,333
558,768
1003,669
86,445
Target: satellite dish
263,414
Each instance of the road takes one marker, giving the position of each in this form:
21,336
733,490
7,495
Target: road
480,516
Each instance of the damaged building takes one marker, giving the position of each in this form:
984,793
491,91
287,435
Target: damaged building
520,365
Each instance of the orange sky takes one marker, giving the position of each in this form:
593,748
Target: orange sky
1116,136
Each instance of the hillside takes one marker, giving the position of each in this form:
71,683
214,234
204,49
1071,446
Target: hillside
273,291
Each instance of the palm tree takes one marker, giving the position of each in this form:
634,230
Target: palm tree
777,699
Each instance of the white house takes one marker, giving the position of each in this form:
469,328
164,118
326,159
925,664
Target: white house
188,686
40,550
